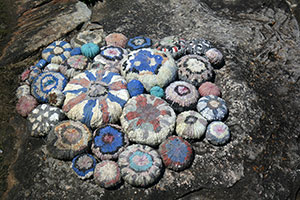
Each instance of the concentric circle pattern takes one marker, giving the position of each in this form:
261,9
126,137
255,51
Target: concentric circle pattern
140,165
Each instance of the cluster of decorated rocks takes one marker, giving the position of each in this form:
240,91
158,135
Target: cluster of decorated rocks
124,108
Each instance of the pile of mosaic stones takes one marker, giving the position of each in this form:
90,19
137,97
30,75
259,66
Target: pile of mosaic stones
124,108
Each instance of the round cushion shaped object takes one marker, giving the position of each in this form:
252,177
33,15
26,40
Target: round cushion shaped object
217,133
43,118
198,46
107,174
57,52
140,165
90,50
110,56
95,97
76,51
194,69
116,39
190,125
25,105
45,82
23,90
176,153
182,96
74,65
215,57
109,142
147,119
150,66
105,67
135,87
209,88
30,74
83,165
56,98
174,45
88,36
68,139
157,91
138,43
41,64
212,108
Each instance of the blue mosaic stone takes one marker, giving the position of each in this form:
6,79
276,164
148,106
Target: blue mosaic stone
41,64
84,165
109,142
57,52
76,51
135,87
138,43
46,82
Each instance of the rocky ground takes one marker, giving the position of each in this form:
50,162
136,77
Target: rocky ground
260,83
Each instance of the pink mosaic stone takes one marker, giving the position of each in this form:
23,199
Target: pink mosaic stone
116,39
209,88
26,104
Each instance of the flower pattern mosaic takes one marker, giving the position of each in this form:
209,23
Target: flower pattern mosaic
147,119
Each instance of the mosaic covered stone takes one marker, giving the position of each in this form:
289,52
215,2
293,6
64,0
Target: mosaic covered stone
83,165
195,69
135,87
57,52
52,67
87,36
182,96
150,66
95,97
25,105
41,64
209,88
176,153
110,57
217,133
157,91
23,90
138,43
109,142
140,165
116,39
68,139
213,108
190,125
174,45
56,97
107,174
43,118
30,74
198,46
147,119
74,65
215,57
45,83
90,50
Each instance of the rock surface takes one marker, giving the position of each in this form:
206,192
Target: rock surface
41,22
259,82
